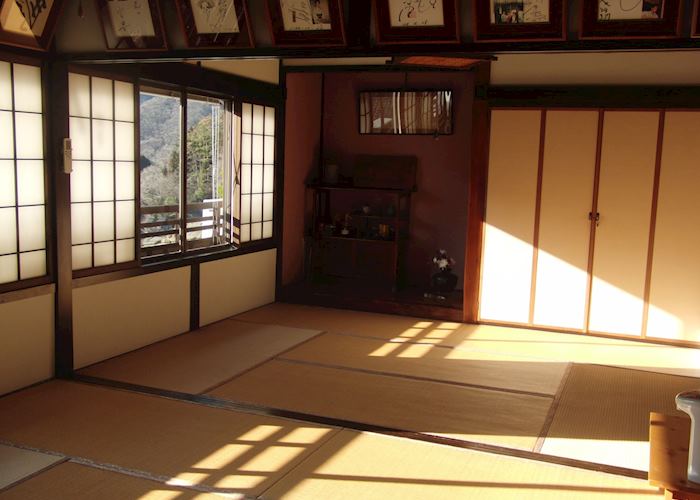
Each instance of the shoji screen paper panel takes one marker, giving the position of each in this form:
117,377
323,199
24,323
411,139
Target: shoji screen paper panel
628,161
510,216
564,231
674,300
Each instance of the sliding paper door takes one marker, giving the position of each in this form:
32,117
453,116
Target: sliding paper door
627,164
510,216
564,227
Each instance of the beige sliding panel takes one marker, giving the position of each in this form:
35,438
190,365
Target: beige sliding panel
674,311
627,164
510,216
568,176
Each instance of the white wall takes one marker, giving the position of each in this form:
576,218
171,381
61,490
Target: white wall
234,285
26,342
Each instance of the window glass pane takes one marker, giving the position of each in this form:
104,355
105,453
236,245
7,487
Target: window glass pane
124,101
102,140
125,250
246,148
8,230
245,179
255,231
268,205
29,136
82,257
103,213
124,141
247,118
269,179
245,208
125,219
8,268
102,98
30,182
267,230
104,253
125,180
81,223
79,95
256,208
80,138
5,86
32,264
257,149
81,182
27,88
258,119
269,149
257,185
31,228
7,183
245,233
103,180
7,138
269,120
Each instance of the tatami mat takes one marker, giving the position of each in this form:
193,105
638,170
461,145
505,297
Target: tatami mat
16,464
603,414
426,361
368,466
77,482
190,443
196,361
495,417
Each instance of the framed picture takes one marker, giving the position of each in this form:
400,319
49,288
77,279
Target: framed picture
28,23
630,18
215,23
132,24
519,20
306,22
416,21
695,30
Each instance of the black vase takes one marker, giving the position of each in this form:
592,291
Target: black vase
443,281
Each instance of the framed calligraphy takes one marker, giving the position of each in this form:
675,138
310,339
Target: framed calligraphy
215,23
519,20
416,21
695,30
132,24
630,18
28,23
306,22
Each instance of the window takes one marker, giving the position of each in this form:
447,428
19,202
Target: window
22,186
103,202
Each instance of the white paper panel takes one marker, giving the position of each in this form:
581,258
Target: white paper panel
255,231
269,179
268,206
32,228
27,81
245,208
8,230
29,136
8,268
256,214
267,229
246,119
124,101
104,253
125,180
269,149
245,233
258,119
81,223
82,257
257,149
79,95
257,185
32,264
5,86
269,121
125,219
246,145
30,182
7,183
104,221
81,182
245,179
102,98
102,140
125,251
124,141
80,138
103,180
7,137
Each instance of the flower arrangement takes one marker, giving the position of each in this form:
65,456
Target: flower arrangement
443,261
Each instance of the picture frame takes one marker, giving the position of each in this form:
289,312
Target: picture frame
695,29
613,19
215,23
27,24
132,25
519,20
306,22
416,21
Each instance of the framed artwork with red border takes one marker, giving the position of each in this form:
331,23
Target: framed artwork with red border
215,23
519,20
416,21
630,19
132,24
306,22
28,23
695,30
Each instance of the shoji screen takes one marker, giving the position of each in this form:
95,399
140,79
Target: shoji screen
627,165
22,203
568,175
510,216
674,299
102,182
